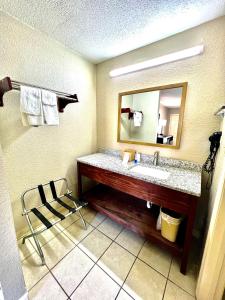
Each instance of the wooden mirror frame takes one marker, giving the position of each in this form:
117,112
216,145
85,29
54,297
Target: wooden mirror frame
182,85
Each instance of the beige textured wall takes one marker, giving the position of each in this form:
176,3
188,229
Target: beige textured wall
36,155
211,268
11,276
219,174
205,75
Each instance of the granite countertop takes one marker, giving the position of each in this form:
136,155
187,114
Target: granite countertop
184,176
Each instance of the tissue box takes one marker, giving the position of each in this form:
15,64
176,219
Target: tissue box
131,154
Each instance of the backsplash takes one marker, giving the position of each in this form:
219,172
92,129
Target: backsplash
163,161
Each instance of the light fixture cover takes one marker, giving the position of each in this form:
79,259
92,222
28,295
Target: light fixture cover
162,122
159,61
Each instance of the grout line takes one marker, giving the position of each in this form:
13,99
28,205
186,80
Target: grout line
170,267
97,225
50,272
113,240
176,283
130,270
164,289
126,278
42,246
59,283
95,264
100,222
82,280
93,228
181,288
151,267
121,246
37,281
35,252
67,252
167,278
75,245
124,292
50,269
136,256
116,241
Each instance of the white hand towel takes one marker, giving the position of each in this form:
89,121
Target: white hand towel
30,100
32,120
50,108
137,118
31,106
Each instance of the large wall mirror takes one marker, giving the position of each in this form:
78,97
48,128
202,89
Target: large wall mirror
152,116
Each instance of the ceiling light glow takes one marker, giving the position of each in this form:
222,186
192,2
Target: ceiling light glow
186,53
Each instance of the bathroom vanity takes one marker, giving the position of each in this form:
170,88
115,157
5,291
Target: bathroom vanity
122,194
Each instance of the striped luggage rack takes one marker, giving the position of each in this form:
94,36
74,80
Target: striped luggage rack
75,207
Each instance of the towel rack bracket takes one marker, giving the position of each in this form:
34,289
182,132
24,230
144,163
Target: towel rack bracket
6,85
62,102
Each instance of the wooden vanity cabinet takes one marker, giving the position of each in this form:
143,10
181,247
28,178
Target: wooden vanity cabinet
123,199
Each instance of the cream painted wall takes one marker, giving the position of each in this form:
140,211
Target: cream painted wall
36,155
205,75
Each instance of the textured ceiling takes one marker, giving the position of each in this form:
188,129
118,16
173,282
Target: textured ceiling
102,29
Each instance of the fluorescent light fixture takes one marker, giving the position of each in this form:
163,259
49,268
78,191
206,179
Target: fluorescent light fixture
159,61
170,102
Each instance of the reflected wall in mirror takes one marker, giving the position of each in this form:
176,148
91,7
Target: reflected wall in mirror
152,116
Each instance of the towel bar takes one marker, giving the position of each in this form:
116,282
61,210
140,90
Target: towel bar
6,85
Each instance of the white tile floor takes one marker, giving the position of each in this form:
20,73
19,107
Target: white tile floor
104,262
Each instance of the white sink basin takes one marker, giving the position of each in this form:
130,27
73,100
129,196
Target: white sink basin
160,174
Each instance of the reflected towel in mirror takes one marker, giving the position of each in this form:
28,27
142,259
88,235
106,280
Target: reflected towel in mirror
138,117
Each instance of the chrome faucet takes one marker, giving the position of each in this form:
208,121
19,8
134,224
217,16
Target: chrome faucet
156,158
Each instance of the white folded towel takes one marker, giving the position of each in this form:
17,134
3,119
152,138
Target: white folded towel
50,109
137,118
30,100
31,106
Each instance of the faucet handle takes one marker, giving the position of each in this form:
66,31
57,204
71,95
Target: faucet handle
156,158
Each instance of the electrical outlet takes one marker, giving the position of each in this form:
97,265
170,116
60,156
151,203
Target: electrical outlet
1,292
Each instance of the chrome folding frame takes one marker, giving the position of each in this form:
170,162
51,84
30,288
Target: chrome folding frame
78,205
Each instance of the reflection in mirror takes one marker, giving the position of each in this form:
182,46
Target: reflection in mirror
169,110
152,116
